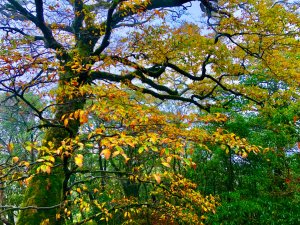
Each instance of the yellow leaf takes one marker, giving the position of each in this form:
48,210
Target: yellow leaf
106,153
93,108
44,168
27,164
244,155
48,169
115,153
76,114
79,160
127,214
81,146
66,121
166,164
49,158
45,222
157,178
10,147
15,159
169,158
125,157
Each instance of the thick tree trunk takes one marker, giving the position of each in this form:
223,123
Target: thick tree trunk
43,191
47,190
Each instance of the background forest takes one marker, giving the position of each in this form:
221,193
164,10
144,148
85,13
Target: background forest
138,112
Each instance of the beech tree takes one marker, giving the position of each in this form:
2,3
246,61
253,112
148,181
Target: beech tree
106,68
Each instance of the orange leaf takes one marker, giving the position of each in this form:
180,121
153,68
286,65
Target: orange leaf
157,178
83,118
48,169
66,121
106,153
99,131
295,119
15,159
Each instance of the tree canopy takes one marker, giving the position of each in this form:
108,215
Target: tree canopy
128,112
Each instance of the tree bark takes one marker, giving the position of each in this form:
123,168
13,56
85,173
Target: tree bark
47,190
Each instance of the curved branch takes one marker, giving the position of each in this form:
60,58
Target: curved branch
49,39
101,75
166,96
108,28
114,18
184,73
231,91
154,71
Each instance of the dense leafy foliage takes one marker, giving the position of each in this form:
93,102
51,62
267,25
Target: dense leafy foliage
127,112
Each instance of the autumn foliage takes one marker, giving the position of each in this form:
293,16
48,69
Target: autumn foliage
120,99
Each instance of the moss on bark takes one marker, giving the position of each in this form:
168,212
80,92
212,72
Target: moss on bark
46,190
43,191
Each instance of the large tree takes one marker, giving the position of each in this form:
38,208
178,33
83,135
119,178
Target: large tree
105,65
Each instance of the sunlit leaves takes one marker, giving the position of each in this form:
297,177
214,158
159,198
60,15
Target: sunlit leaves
46,164
231,141
15,159
133,6
157,177
183,189
10,147
45,168
103,133
106,153
257,33
166,164
79,160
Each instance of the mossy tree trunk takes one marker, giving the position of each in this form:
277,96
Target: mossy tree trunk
45,192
